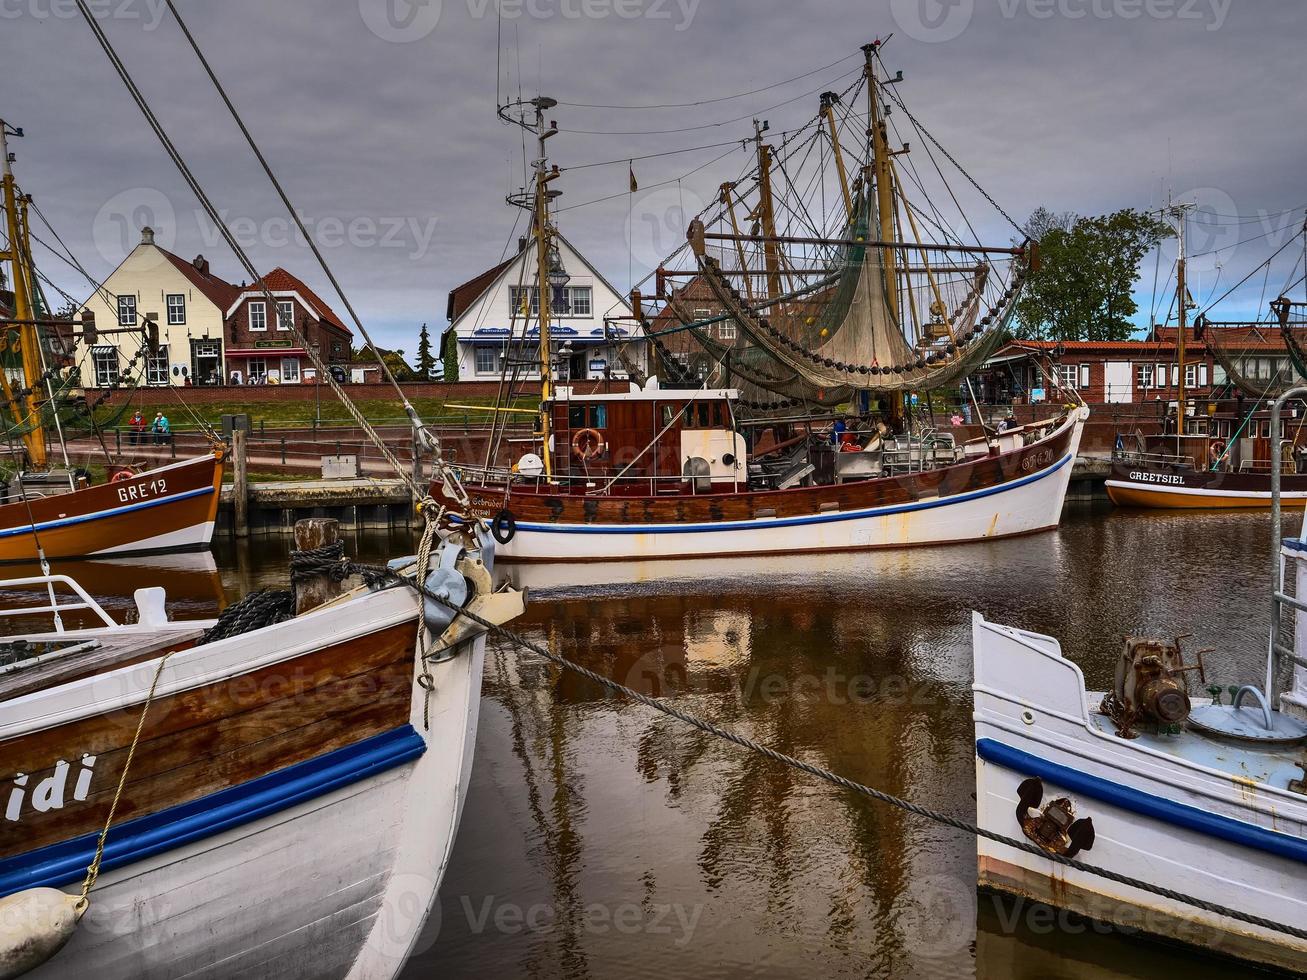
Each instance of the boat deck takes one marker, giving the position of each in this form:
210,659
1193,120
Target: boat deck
38,661
1273,765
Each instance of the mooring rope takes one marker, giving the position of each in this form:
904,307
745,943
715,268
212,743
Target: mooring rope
93,870
831,777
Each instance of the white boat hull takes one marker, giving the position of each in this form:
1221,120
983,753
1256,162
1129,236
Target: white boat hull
1022,505
338,884
1161,814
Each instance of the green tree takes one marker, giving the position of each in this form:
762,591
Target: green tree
1087,271
426,365
449,362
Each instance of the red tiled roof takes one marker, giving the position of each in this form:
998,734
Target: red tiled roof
465,294
279,280
219,292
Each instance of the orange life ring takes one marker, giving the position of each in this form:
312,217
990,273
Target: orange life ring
587,444
1217,449
122,476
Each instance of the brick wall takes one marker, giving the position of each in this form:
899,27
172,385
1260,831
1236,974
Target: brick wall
280,394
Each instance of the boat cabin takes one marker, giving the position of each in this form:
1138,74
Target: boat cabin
1229,435
648,440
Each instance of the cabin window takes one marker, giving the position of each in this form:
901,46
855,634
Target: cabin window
105,360
704,414
126,311
156,367
669,413
176,309
587,416
258,315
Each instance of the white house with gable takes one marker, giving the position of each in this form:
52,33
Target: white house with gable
184,298
591,330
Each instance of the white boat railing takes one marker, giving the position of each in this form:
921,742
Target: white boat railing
53,607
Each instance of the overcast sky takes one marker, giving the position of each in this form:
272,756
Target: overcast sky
380,118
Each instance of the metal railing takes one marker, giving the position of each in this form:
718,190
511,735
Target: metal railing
53,607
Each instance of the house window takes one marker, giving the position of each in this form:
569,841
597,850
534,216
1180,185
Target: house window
257,368
1144,376
285,314
156,367
726,330
176,309
1190,375
126,311
1219,377
487,359
105,360
579,300
1068,375
517,296
290,370
258,315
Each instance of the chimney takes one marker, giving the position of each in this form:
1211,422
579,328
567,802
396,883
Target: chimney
147,235
201,264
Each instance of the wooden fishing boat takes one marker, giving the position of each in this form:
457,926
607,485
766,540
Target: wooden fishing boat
56,513
293,794
1220,454
169,508
811,426
940,493
1183,792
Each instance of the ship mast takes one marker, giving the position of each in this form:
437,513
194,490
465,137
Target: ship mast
1183,316
883,176
26,409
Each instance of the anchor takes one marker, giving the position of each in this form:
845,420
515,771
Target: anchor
1054,828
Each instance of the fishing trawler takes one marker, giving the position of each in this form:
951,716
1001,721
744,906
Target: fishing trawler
1192,794
1220,455
56,512
812,427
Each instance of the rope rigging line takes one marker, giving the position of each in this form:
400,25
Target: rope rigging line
723,98
215,216
409,410
820,772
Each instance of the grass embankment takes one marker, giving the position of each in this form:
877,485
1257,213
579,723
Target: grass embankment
329,412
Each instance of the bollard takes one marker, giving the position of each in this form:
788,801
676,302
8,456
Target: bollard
241,483
312,591
283,450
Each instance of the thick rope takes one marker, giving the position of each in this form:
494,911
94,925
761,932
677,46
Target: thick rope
843,782
93,871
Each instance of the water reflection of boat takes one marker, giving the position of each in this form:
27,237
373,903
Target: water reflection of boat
194,583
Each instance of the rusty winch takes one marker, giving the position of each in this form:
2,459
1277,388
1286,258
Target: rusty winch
1150,686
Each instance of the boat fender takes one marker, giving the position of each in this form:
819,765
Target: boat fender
34,925
504,526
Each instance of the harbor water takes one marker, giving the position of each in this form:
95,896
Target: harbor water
600,839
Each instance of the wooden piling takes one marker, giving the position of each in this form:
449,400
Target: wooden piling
312,591
241,482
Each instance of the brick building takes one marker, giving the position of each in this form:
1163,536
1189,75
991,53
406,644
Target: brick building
260,344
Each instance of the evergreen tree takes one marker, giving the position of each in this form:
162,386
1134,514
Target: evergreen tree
449,366
426,365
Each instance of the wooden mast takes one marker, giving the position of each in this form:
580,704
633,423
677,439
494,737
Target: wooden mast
1182,304
26,408
545,299
828,100
766,214
883,177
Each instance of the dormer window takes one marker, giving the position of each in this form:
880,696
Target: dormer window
258,315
